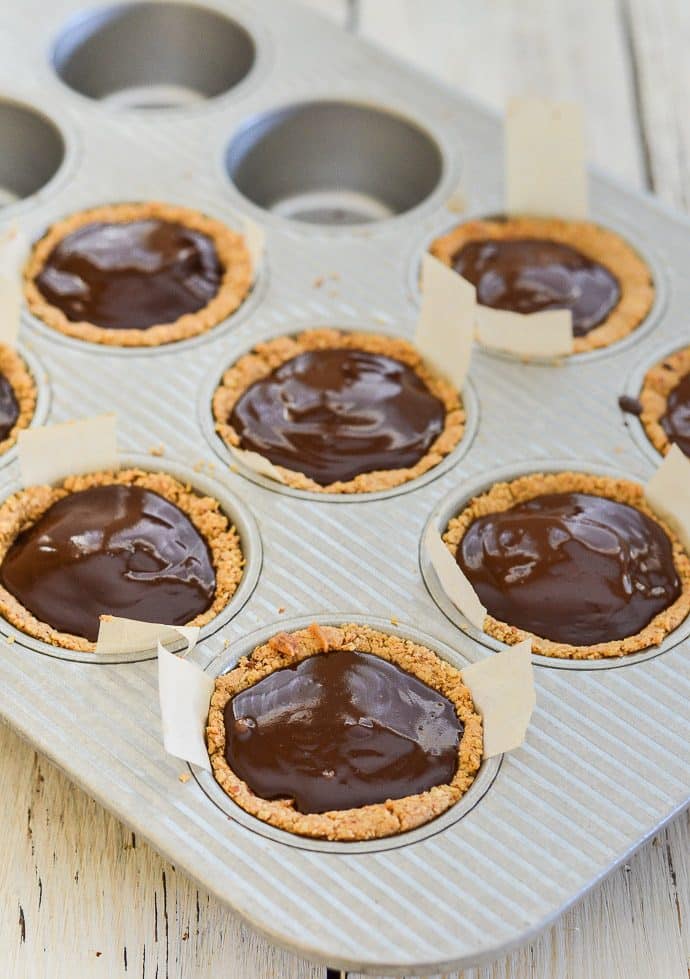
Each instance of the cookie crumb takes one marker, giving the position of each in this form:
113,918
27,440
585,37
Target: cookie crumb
9,639
395,620
157,450
281,609
184,777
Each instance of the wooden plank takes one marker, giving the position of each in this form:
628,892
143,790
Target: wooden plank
568,50
82,897
659,35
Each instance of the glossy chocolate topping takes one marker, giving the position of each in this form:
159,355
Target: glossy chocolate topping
341,730
336,413
530,274
9,409
571,567
121,550
131,275
676,421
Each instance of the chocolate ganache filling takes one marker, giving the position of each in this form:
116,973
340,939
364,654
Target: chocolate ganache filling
333,414
114,549
341,730
527,275
131,275
676,420
571,567
9,409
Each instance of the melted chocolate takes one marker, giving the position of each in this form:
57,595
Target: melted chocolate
336,413
676,421
121,550
341,730
630,406
131,275
530,274
571,567
9,409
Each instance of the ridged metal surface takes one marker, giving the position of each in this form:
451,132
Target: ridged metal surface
606,759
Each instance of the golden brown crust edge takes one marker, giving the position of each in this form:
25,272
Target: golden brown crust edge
658,383
232,254
266,357
366,822
502,496
24,508
24,387
597,243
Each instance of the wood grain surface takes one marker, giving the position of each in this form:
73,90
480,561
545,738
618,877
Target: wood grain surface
81,897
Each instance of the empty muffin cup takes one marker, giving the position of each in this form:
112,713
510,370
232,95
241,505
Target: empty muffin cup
334,163
153,55
31,151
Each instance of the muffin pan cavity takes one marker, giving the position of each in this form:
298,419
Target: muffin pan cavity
333,163
153,55
32,150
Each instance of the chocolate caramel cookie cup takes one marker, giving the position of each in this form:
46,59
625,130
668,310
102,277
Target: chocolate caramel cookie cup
19,396
578,264
665,402
215,546
372,659
358,405
554,535
137,274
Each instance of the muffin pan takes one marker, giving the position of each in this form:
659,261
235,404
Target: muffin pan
606,759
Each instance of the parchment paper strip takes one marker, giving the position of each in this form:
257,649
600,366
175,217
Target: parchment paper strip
11,297
502,688
13,251
545,170
546,334
255,239
445,329
119,635
668,492
50,452
452,580
258,463
184,692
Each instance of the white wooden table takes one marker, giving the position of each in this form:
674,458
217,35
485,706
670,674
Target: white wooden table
80,896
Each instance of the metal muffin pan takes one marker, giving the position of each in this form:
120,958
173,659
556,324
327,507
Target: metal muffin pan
606,759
